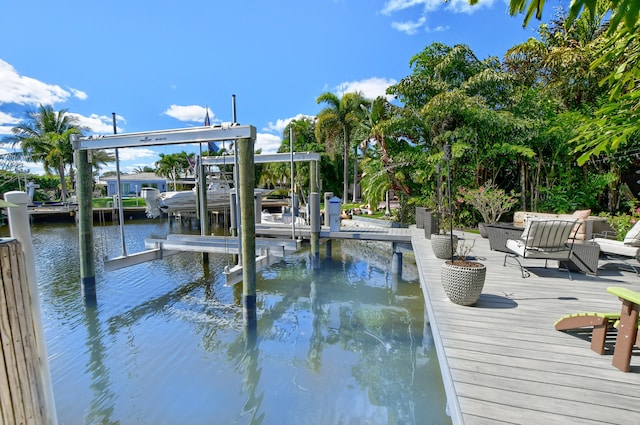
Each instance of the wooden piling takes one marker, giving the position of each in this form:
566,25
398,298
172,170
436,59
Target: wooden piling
247,229
85,226
23,395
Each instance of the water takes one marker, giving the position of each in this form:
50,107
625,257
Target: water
346,344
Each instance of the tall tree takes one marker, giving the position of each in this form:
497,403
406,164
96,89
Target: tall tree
381,165
45,137
334,127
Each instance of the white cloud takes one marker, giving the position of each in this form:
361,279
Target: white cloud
191,113
463,6
79,94
409,27
269,143
98,124
7,122
392,6
16,88
370,88
439,28
282,123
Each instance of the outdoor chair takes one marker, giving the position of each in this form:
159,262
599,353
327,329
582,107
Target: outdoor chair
625,323
546,239
624,250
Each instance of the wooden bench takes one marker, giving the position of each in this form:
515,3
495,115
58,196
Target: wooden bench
627,327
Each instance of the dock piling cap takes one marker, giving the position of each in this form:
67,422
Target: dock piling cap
5,204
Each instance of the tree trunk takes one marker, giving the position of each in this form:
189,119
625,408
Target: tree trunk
523,186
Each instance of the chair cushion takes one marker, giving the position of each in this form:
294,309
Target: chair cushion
633,236
581,214
610,246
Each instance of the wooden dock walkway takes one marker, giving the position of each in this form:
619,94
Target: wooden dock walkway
502,360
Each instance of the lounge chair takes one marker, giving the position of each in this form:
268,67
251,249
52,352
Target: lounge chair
546,239
626,322
624,250
601,323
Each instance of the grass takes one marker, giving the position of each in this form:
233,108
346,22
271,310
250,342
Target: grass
126,202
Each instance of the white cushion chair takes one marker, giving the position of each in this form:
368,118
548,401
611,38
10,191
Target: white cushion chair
627,249
547,239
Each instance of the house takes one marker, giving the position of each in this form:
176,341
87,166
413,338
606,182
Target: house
131,184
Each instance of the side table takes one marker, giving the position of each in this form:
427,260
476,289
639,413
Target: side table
584,257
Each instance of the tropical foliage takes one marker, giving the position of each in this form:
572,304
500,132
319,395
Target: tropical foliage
45,138
174,165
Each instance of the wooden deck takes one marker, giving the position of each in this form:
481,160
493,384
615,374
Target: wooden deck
502,360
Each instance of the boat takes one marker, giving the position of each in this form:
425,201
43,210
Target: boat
218,194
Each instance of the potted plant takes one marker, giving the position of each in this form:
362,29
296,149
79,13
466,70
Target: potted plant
462,277
490,201
443,243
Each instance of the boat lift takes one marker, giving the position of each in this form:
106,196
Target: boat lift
245,135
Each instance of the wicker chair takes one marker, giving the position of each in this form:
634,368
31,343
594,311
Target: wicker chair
546,239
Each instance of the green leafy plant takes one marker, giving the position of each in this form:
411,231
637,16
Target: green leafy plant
490,201
622,222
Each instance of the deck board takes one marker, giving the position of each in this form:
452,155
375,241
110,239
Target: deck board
502,359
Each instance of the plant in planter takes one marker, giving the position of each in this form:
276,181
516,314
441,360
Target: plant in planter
443,243
490,201
462,277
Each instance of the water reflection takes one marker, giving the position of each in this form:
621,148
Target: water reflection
338,339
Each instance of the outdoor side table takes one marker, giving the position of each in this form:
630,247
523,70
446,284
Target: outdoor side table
499,233
584,257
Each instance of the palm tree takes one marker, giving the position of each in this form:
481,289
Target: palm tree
101,157
335,123
172,165
45,137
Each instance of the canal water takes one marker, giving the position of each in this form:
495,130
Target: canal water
343,344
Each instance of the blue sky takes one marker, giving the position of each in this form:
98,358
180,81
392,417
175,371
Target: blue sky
158,65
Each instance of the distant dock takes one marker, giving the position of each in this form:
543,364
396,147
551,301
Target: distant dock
68,212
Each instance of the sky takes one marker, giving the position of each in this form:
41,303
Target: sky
162,65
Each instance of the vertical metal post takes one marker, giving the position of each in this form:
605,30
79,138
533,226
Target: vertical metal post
293,193
447,158
202,196
248,230
239,206
314,220
120,206
314,211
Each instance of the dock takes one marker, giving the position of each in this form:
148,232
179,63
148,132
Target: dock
502,360
351,230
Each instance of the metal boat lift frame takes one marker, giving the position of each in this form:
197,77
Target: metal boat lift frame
244,134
